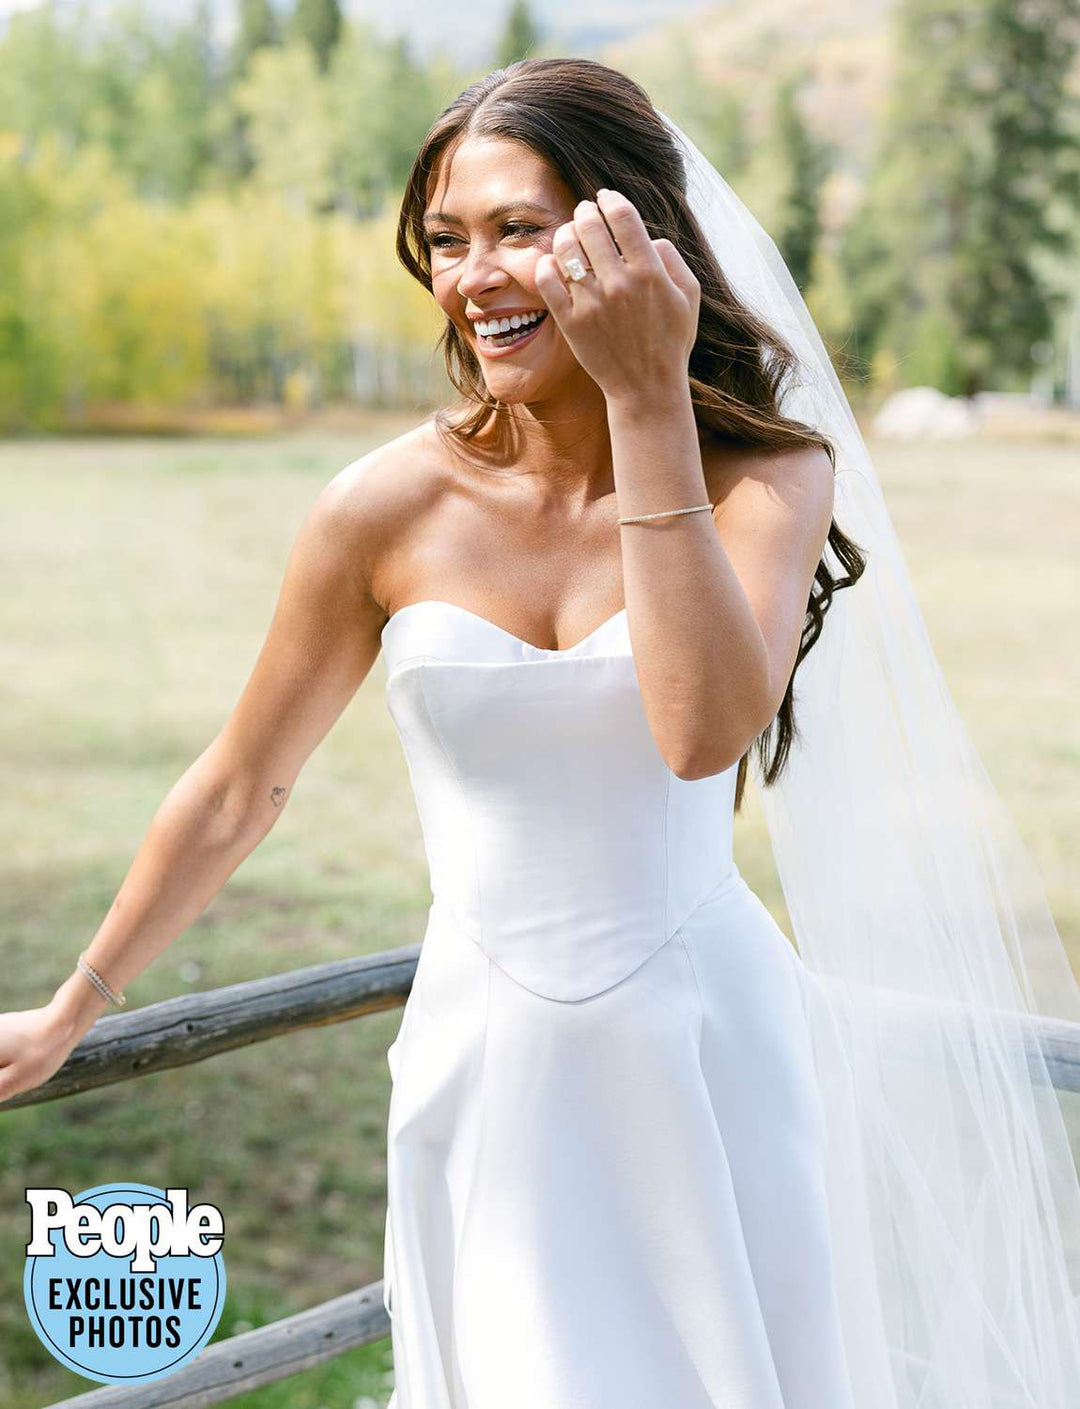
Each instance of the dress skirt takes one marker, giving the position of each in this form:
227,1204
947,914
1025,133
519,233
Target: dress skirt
616,1202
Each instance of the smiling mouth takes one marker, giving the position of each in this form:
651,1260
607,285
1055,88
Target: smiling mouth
513,336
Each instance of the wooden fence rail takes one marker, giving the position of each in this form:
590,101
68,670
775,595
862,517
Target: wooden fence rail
230,1367
189,1029
179,1031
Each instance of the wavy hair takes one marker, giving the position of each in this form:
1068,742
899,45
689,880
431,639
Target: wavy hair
597,127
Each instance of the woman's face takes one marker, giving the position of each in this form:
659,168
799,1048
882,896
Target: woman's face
492,212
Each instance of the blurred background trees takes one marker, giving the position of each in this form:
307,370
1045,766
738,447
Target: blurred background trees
187,220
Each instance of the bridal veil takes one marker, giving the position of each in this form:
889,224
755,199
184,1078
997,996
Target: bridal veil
936,980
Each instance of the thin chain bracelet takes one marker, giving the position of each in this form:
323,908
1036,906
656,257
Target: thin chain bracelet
85,967
666,513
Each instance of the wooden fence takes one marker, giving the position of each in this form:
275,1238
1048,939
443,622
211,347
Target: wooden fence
191,1028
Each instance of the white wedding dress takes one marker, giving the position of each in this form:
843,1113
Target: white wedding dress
605,1176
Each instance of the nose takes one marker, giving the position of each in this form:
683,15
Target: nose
482,272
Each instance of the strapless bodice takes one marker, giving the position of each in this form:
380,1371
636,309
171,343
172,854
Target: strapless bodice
556,836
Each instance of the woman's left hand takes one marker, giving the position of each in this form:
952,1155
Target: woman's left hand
632,321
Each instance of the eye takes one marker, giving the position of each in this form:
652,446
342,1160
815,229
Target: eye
515,227
521,228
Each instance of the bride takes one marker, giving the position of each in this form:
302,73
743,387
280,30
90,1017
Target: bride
642,1150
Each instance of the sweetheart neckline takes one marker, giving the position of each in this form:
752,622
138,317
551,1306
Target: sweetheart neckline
540,650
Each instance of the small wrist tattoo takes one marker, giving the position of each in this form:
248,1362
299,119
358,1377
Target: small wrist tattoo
277,796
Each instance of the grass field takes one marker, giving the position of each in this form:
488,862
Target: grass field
141,576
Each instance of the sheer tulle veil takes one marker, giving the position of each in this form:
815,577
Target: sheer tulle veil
934,972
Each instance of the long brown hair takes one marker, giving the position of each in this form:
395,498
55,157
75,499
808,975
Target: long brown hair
597,127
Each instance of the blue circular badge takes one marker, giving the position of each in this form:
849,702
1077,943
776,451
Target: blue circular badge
124,1283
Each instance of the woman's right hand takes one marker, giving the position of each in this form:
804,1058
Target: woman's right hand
34,1043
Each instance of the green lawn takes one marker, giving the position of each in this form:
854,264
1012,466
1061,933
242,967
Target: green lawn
141,576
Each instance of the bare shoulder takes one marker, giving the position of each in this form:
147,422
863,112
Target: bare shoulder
379,497
785,496
738,474
388,479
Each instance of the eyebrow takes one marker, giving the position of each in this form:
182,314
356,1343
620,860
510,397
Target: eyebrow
493,213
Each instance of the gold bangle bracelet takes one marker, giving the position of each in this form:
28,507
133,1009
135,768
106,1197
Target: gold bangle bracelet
87,969
666,513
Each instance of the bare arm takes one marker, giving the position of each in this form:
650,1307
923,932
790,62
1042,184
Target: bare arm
321,643
716,604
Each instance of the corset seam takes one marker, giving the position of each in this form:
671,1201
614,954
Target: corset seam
416,658
681,937
464,796
729,882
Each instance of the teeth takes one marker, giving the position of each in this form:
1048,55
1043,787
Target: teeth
495,326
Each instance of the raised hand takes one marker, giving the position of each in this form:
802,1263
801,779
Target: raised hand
632,321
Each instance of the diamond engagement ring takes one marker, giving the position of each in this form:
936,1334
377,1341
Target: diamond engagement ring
575,269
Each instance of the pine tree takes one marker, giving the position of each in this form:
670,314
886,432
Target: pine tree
258,28
319,22
519,37
975,179
728,142
805,164
1026,184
